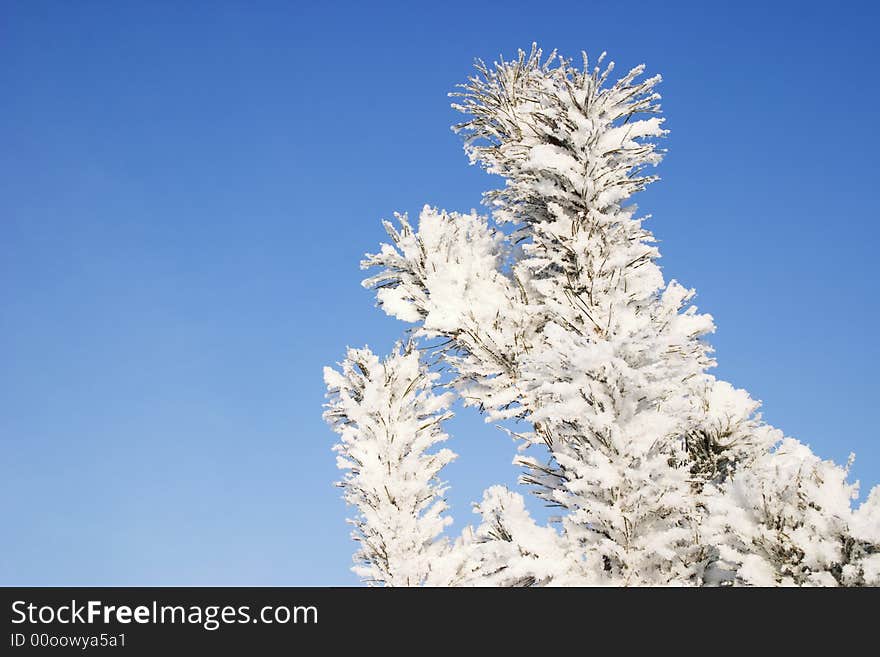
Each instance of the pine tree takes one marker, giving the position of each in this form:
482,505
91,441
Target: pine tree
554,314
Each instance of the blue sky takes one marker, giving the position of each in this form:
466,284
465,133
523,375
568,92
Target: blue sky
186,190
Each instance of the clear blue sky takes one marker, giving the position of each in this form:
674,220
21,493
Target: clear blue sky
186,189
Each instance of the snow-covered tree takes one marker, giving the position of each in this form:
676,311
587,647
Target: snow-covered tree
554,313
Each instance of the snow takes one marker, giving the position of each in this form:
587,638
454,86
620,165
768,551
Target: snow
565,324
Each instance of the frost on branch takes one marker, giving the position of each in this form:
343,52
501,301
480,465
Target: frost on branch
388,420
787,520
448,275
725,432
510,549
555,317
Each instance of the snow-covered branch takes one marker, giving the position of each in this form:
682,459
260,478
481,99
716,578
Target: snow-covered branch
389,421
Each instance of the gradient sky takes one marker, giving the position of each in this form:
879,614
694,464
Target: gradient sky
186,189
